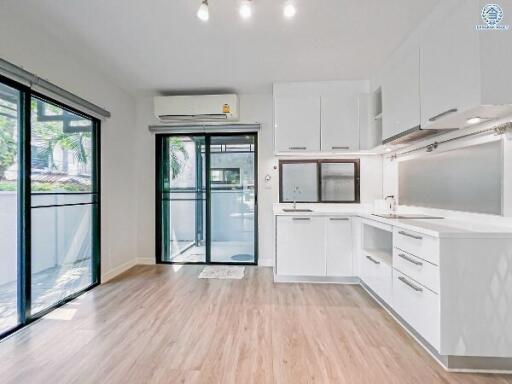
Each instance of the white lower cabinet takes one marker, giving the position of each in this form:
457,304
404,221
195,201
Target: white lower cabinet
314,246
338,244
418,306
378,275
300,246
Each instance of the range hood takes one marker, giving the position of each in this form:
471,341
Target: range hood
414,134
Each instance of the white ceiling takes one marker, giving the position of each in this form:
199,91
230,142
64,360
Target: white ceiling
159,45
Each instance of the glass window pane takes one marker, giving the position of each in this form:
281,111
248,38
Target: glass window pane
299,182
338,182
61,149
61,253
232,198
9,124
184,199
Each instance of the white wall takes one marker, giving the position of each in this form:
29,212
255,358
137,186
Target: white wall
47,57
253,108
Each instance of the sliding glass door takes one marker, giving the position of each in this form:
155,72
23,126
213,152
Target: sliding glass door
9,208
206,198
49,204
63,203
232,198
183,199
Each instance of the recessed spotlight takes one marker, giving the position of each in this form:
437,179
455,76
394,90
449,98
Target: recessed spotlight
474,120
289,10
246,9
388,149
202,13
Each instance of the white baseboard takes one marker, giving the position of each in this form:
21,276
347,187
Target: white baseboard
145,261
265,262
117,270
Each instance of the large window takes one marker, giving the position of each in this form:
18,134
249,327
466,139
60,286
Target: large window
9,134
319,181
49,204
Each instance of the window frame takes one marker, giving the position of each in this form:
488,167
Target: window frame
24,210
319,162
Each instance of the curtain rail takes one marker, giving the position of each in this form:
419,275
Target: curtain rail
43,86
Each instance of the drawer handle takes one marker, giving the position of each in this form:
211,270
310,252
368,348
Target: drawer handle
338,218
301,218
342,147
408,283
409,235
443,114
297,148
372,260
410,259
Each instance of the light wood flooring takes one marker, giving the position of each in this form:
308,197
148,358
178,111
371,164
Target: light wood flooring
160,324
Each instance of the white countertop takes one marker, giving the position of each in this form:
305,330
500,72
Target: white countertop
447,227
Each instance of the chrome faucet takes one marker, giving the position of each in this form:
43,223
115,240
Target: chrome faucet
392,204
296,191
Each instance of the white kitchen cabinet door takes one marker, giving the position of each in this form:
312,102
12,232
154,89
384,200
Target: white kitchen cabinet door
377,275
300,246
339,246
339,123
418,306
450,66
297,123
401,96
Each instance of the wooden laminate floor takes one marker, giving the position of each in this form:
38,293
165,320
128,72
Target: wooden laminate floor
160,324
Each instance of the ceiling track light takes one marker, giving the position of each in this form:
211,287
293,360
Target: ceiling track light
203,13
245,9
289,9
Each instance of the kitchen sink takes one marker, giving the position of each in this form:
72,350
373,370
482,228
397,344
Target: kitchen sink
296,210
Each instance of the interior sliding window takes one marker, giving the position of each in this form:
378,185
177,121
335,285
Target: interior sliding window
339,181
319,181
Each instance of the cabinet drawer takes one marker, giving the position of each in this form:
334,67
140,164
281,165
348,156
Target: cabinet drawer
417,244
420,270
377,275
418,306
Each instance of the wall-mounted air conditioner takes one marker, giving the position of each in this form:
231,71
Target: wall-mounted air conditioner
197,108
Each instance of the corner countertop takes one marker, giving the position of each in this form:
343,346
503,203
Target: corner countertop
445,228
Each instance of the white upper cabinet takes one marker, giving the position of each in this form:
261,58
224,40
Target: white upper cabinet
401,96
339,123
317,116
297,123
450,67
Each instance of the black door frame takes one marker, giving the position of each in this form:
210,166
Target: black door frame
159,172
24,206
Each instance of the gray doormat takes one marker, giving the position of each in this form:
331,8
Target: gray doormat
242,257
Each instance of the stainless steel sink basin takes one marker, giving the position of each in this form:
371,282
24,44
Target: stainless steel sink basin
296,210
405,216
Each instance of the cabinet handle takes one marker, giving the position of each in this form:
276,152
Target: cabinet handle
372,260
301,218
297,148
408,283
339,218
443,114
343,147
409,235
410,259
